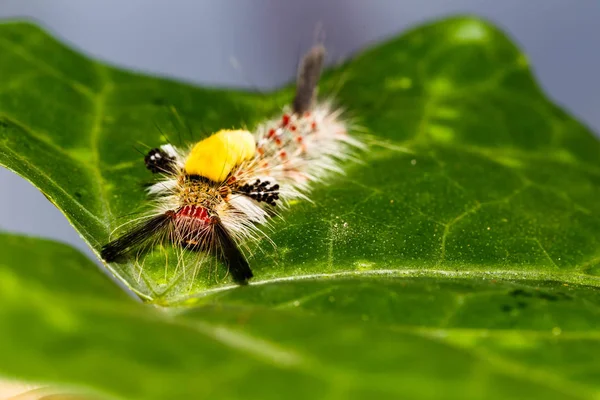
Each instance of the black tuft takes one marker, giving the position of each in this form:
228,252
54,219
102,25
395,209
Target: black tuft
261,191
137,237
158,160
230,254
308,78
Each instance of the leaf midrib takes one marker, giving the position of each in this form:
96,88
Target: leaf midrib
482,273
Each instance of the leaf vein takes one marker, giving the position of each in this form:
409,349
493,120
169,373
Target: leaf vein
41,65
95,135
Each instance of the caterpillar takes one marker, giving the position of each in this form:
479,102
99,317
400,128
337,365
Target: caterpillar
215,196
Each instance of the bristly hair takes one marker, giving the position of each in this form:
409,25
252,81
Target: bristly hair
136,238
229,253
159,161
308,77
216,197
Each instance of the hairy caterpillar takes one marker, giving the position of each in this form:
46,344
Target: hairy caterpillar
215,196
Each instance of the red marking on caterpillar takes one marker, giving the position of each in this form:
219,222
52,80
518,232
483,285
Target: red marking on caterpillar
193,212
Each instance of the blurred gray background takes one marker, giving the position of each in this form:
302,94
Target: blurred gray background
195,41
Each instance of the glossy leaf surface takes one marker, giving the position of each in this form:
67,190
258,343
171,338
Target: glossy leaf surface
460,257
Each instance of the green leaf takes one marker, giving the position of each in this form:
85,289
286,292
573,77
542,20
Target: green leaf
470,168
65,322
460,258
